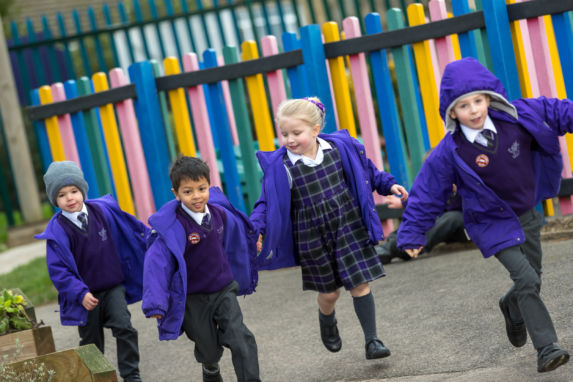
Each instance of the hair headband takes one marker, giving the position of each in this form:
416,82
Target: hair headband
317,104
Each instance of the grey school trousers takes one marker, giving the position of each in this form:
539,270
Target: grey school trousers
524,265
215,320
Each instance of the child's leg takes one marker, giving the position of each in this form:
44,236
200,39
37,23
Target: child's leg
92,331
327,320
234,334
118,319
365,309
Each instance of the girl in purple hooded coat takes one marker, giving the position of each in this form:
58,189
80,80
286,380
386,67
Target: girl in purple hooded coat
505,158
316,209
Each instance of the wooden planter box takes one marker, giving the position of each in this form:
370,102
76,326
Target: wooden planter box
31,342
81,364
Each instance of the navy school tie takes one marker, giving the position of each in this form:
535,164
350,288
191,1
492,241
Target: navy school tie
83,218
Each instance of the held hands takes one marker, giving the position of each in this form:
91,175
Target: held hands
399,191
89,301
158,316
393,202
413,252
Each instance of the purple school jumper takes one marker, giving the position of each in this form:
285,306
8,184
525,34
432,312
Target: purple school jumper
331,239
129,236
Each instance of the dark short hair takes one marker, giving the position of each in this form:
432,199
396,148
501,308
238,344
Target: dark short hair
188,168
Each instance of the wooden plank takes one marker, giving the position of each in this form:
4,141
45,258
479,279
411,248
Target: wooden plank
82,364
26,344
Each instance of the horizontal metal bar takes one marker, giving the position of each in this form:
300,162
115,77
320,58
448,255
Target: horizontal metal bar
77,104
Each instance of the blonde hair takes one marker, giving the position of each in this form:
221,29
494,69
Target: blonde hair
309,110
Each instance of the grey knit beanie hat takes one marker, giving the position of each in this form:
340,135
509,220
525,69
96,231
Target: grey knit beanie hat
62,174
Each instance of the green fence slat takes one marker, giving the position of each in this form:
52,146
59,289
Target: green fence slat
97,146
21,62
251,170
252,19
70,70
266,17
124,21
51,52
485,42
294,4
185,10
83,50
139,18
109,24
165,116
407,96
39,69
155,16
311,11
219,23
281,16
171,12
204,23
98,47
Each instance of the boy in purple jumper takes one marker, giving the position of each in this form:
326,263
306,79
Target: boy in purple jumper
505,158
95,260
200,258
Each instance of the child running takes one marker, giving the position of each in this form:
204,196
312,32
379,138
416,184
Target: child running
200,258
504,157
95,255
316,209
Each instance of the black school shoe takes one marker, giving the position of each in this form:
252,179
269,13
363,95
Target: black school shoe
550,358
330,336
516,333
375,349
211,373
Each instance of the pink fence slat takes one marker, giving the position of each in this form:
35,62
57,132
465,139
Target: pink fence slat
547,87
275,79
365,106
435,63
201,121
65,124
229,105
135,158
444,45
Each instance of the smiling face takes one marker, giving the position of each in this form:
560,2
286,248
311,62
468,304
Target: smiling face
70,199
471,111
194,194
299,136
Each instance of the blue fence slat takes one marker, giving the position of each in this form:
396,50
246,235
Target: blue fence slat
226,149
39,70
83,50
152,131
170,12
139,18
468,47
41,134
183,4
82,142
315,65
564,39
109,23
297,74
70,70
22,68
97,42
501,46
124,21
52,59
387,108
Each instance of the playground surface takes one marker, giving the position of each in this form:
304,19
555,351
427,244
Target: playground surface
438,314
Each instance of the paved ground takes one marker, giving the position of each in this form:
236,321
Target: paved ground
439,316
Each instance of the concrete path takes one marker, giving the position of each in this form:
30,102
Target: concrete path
439,315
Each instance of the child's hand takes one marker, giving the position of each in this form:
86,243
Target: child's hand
401,191
393,202
260,243
89,301
413,252
158,316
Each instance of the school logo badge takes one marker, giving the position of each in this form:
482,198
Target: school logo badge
514,150
103,234
482,160
194,238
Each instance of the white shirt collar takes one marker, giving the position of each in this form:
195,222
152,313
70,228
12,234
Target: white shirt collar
197,216
73,216
322,145
471,134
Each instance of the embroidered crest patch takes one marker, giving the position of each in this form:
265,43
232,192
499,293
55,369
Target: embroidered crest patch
194,238
482,160
514,149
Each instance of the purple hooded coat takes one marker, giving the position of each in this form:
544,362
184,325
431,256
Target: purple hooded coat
489,221
129,237
271,214
165,272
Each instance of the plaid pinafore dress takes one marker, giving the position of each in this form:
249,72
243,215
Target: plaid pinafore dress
329,234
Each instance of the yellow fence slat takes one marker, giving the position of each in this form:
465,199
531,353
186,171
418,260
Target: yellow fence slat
426,78
180,111
340,83
259,104
52,127
114,148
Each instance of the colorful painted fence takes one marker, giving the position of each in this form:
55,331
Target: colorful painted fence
222,108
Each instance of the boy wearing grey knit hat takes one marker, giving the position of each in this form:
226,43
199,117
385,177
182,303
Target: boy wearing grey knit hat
94,252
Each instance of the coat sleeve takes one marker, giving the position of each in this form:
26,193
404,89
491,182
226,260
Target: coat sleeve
557,113
380,181
65,279
158,271
259,213
427,200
